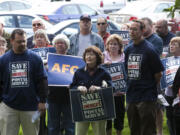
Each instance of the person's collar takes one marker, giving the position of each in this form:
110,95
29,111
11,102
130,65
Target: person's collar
139,41
89,69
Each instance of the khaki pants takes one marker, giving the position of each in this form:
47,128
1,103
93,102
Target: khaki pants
99,127
10,120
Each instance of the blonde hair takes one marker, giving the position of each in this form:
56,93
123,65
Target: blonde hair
118,39
175,39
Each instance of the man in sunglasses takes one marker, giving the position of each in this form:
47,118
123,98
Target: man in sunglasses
102,28
84,38
37,24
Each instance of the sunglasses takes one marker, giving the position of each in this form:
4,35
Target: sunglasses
101,23
37,24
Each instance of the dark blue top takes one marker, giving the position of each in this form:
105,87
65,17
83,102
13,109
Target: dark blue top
166,39
82,78
19,74
142,63
157,42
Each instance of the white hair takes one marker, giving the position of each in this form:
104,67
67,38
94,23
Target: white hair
39,32
61,37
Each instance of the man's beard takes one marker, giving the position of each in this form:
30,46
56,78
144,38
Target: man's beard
21,48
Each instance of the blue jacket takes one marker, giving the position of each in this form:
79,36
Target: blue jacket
82,78
74,43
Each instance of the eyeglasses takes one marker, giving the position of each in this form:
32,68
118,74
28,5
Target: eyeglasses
101,23
37,24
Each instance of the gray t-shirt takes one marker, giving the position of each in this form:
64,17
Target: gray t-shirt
84,42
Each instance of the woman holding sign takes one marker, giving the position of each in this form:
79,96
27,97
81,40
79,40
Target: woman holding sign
59,111
169,93
114,54
88,79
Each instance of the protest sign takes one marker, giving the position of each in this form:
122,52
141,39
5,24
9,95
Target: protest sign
171,64
61,69
42,52
98,105
123,34
118,75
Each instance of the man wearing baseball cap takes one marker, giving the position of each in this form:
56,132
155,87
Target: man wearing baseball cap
85,37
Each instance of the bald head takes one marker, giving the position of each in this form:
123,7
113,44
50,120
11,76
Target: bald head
162,27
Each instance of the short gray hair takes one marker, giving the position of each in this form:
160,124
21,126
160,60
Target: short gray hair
62,37
41,32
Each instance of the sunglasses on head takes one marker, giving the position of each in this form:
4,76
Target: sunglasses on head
36,24
101,23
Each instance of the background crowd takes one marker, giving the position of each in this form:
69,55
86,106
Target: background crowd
24,87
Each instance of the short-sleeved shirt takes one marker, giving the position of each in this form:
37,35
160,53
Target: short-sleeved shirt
142,63
19,74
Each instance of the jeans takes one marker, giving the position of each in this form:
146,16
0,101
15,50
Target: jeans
60,115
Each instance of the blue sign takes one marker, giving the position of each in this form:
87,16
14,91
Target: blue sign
123,34
61,69
118,75
92,106
171,65
42,52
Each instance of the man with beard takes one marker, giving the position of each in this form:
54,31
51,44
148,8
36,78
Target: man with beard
23,87
153,38
161,28
157,43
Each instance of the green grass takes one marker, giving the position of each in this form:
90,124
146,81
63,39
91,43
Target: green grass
126,128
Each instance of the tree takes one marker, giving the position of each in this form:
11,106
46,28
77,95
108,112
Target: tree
173,9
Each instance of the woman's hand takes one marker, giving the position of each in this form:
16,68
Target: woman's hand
108,63
94,88
82,89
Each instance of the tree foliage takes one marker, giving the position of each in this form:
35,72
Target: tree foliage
173,9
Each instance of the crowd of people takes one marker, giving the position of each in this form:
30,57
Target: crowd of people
24,87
